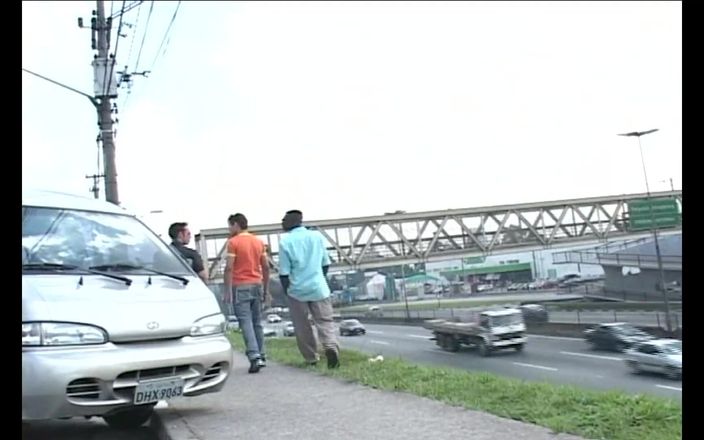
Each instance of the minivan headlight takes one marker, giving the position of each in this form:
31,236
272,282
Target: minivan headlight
209,325
51,334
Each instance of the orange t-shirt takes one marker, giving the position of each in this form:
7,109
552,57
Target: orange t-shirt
247,250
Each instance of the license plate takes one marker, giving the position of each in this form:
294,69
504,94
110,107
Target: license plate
156,390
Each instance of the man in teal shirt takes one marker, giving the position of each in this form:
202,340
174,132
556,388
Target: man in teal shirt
303,266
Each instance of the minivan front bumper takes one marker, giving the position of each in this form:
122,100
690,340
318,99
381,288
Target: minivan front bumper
95,380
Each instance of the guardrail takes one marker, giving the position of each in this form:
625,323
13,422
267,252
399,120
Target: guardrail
616,259
637,318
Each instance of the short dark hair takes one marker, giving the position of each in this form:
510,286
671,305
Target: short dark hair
176,229
238,218
292,219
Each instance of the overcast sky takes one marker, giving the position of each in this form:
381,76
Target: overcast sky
350,109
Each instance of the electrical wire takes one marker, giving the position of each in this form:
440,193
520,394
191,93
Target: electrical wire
166,34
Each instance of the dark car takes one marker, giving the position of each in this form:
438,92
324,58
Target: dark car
350,327
534,313
618,336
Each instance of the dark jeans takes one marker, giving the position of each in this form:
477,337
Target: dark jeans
247,302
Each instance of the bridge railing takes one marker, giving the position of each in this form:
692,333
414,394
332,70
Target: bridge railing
616,259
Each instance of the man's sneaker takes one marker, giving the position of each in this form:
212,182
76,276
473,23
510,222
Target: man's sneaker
254,366
333,360
262,361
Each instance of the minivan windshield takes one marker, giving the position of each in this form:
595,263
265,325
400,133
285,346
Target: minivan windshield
86,239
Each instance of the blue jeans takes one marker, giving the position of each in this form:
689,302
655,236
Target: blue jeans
247,301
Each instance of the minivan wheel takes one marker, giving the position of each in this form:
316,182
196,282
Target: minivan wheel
133,417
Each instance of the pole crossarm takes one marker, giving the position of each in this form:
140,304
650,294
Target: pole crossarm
408,238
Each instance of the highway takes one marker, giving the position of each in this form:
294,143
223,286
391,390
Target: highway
461,307
546,358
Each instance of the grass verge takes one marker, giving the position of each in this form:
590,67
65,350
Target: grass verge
590,414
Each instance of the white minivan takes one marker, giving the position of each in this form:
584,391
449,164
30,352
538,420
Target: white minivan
113,321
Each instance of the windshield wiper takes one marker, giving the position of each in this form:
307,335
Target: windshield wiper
124,266
59,267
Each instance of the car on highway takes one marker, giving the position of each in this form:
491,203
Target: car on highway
373,312
268,331
616,336
484,287
534,313
273,318
662,356
289,329
113,319
351,327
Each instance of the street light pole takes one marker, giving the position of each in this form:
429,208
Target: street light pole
405,293
668,322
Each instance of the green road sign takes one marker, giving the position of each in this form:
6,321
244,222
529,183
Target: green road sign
665,214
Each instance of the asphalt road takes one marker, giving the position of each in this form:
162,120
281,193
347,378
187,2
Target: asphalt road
545,358
81,429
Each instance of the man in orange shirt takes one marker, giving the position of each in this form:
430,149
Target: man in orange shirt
247,286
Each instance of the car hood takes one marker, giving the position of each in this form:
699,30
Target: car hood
143,311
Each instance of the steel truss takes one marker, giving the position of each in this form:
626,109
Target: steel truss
406,238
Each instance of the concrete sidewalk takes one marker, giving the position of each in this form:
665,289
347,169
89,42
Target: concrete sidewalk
283,402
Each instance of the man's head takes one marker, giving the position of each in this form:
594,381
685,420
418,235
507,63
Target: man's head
237,223
180,232
292,219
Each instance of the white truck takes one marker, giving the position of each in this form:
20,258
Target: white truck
492,330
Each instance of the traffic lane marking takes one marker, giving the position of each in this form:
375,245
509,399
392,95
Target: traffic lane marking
373,341
539,367
667,387
595,356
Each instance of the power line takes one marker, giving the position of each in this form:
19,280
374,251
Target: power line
144,37
141,47
165,35
134,32
117,45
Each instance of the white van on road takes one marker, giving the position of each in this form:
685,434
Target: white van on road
112,320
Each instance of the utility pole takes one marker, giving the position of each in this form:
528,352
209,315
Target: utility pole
95,189
105,90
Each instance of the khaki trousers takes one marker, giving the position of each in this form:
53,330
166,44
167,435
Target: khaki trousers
321,311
